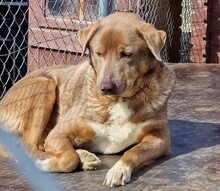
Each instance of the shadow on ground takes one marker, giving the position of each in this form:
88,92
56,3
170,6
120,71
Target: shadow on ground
187,137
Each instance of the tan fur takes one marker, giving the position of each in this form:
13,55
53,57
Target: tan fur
116,99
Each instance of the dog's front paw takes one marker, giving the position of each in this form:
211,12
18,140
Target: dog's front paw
89,161
119,174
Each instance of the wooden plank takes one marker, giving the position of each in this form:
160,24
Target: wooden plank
39,17
62,23
33,59
36,12
72,59
38,58
213,32
214,55
214,7
214,22
55,39
215,40
197,52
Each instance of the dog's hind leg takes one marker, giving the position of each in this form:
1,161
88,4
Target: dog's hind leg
60,143
41,102
61,157
25,110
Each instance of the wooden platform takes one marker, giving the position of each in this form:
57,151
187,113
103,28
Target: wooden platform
194,113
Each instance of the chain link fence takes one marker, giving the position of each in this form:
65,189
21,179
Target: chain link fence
34,34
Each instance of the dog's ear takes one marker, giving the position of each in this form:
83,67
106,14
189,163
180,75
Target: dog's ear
154,38
86,34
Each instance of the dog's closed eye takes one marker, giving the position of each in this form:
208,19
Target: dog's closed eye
125,54
99,54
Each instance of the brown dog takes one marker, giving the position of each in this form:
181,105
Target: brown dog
116,99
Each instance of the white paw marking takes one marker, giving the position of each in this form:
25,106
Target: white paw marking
119,174
89,161
43,164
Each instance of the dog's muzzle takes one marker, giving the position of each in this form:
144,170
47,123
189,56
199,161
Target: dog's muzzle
108,88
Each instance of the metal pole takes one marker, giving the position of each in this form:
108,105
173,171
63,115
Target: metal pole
103,8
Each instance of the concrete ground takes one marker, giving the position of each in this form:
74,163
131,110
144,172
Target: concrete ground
194,120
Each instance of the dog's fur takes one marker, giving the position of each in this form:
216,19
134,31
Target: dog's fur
114,100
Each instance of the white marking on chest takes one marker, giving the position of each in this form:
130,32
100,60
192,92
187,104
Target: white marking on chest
118,133
119,112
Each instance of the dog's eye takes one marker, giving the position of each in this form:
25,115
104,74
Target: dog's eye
126,54
98,54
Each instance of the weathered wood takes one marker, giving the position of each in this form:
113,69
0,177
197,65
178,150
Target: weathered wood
194,111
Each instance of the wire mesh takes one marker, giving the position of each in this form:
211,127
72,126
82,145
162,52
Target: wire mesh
34,34
13,42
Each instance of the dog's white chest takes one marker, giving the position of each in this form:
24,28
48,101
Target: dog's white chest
118,134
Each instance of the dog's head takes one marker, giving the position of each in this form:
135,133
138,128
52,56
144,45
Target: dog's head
122,49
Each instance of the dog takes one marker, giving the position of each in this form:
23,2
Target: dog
116,99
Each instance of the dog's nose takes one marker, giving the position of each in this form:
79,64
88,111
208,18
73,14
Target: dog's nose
107,88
